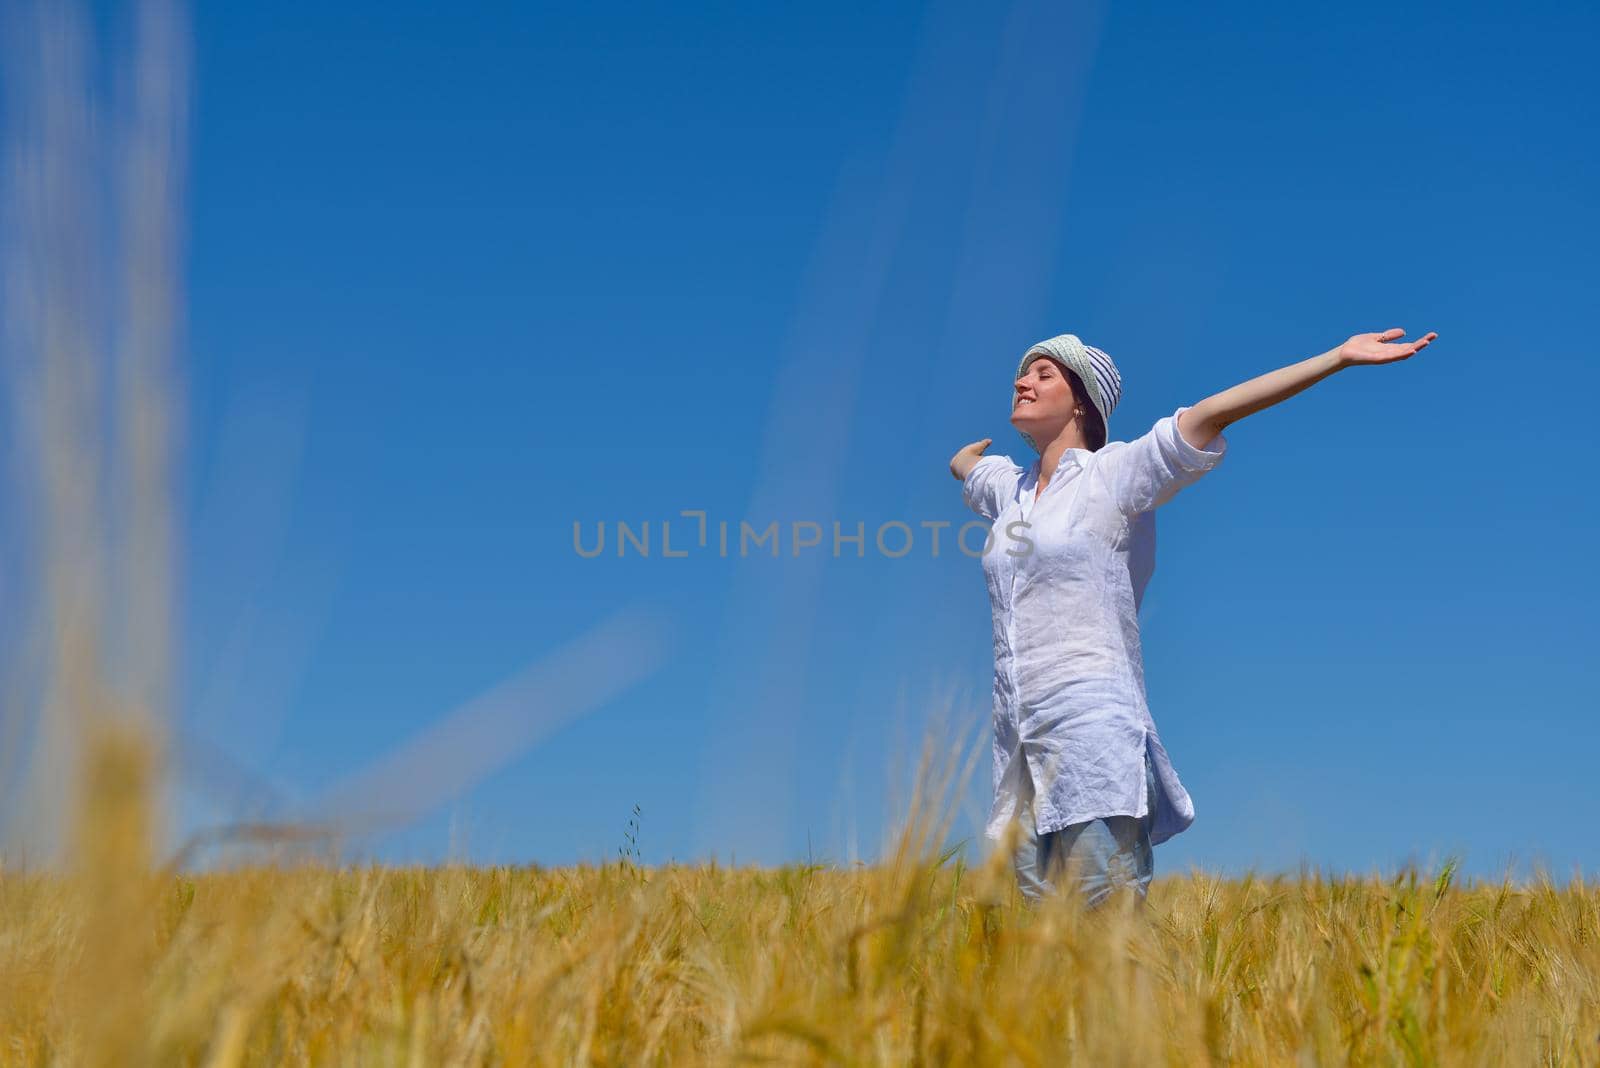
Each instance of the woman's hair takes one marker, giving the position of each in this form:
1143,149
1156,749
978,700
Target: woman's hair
1094,427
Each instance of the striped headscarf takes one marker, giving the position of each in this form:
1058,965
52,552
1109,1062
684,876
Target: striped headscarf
1100,376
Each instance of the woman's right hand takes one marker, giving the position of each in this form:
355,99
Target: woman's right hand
965,459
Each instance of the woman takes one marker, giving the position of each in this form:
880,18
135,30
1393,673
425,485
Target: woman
1077,759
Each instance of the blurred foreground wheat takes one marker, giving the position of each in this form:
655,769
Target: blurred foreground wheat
913,962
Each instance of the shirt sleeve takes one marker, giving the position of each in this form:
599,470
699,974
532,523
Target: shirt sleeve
991,485
1148,471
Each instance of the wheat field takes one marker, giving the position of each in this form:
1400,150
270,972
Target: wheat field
917,960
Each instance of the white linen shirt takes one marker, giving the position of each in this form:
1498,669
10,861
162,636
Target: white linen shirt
1069,694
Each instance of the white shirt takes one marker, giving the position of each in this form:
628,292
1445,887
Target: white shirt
1066,571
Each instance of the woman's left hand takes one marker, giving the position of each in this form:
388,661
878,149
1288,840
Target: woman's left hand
1384,347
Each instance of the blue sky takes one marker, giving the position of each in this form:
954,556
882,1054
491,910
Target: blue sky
457,281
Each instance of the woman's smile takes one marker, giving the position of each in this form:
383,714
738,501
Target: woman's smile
1045,394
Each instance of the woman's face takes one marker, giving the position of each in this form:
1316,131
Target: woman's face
1042,403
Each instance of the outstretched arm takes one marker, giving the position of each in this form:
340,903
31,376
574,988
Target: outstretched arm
1209,417
967,458
987,482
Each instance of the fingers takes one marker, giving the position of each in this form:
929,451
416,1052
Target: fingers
1414,347
1386,346
1420,343
1395,332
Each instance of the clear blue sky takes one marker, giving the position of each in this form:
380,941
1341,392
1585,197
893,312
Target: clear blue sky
458,279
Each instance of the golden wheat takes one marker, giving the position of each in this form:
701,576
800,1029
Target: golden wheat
912,962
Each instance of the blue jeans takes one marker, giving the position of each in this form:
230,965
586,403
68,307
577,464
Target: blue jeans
1095,858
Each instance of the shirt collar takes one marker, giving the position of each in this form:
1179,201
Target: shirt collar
1069,458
